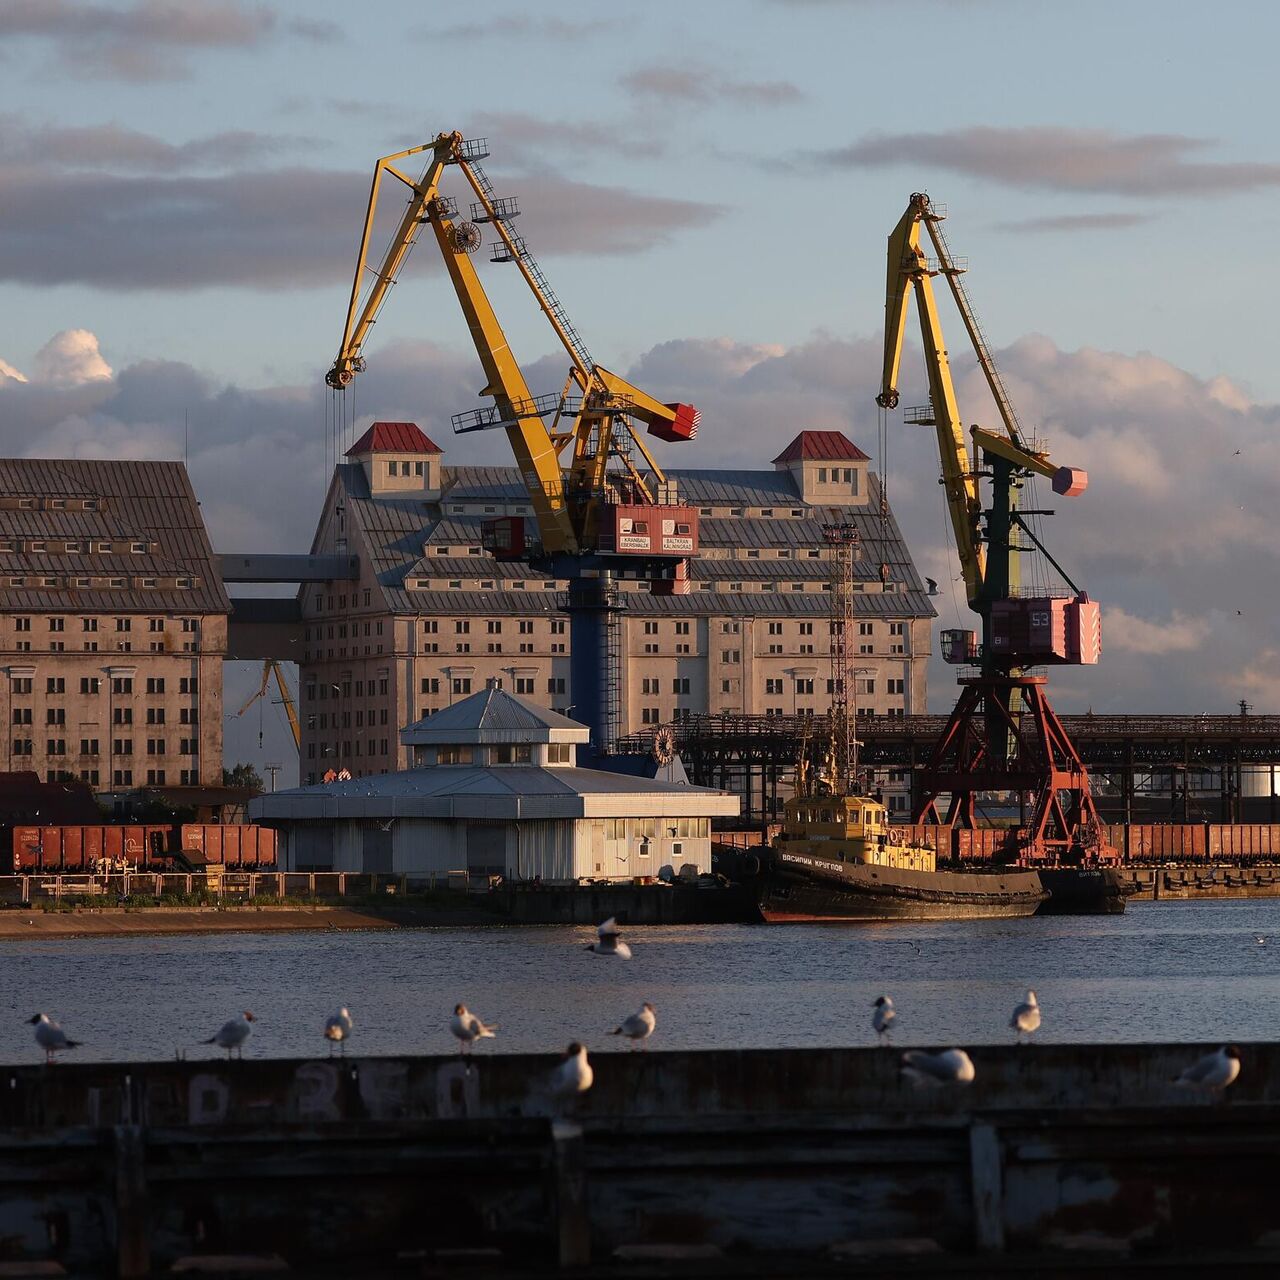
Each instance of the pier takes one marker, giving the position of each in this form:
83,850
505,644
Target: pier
1057,1159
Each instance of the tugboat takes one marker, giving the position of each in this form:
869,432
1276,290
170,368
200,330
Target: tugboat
839,858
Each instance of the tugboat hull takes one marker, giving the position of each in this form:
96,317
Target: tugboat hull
1083,891
796,887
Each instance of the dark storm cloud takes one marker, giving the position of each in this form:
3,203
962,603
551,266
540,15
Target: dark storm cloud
288,227
1076,160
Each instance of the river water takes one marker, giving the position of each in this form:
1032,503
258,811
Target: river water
1163,971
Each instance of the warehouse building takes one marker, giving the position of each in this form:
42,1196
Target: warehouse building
492,791
433,616
113,625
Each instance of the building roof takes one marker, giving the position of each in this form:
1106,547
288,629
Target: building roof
393,437
501,792
46,503
824,446
494,716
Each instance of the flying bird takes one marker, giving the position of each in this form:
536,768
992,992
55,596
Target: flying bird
337,1030
639,1026
468,1028
882,1016
573,1077
51,1037
1026,1016
232,1035
1212,1073
950,1066
608,943
932,585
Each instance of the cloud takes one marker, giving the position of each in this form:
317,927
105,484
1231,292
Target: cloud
145,40
700,84
8,371
517,27
114,148
1077,222
526,137
71,358
1094,161
1174,535
284,228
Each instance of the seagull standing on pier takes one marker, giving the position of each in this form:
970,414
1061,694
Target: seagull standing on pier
882,1017
1212,1073
51,1037
951,1066
608,942
1026,1017
639,1026
468,1028
574,1076
232,1035
337,1030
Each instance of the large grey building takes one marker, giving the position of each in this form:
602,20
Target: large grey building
113,625
433,616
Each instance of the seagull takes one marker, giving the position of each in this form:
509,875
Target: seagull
639,1026
1260,939
932,584
232,1035
1213,1072
468,1028
337,1030
51,1037
882,1018
573,1076
1026,1016
607,943
951,1066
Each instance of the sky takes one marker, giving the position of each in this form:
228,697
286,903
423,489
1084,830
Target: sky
709,186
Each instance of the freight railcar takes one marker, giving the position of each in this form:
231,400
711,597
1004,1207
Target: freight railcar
84,850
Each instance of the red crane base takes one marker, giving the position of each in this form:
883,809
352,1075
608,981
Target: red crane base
989,745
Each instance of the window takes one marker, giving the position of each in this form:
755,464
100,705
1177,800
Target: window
804,685
822,475
124,624
189,684
806,628
726,686
56,747
682,628
555,684
23,747
22,624
88,746
22,715
524,684
57,624
91,624
188,715
557,625
461,627
649,684
493,627
155,715
430,684
431,627
897,628
122,778
511,753
558,753
155,684
453,755
775,628
462,684
526,628
155,778
680,685
55,715
90,684
730,655
155,624
155,747
773,686
55,684
866,686
649,715
122,715
651,628
897,686
188,747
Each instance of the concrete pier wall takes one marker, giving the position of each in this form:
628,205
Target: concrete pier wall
1054,1151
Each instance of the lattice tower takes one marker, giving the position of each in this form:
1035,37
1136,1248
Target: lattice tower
841,537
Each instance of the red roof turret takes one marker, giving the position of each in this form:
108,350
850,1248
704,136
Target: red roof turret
824,446
393,437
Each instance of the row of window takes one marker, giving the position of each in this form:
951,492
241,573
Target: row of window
189,685
59,623
328,749
119,747
124,777
61,581
120,715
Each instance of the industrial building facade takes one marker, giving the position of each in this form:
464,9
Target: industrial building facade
113,625
433,616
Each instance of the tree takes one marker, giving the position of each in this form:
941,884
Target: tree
243,775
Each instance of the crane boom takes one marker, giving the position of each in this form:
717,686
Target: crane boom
286,698
908,271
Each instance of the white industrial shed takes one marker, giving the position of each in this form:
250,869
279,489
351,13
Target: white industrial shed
493,792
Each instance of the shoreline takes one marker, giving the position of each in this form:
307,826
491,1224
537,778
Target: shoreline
122,921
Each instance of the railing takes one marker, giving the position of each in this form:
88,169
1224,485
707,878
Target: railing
227,887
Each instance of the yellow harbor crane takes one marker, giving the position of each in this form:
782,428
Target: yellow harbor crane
270,667
1003,735
600,512
594,411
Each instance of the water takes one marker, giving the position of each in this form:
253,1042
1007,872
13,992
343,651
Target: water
1163,971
